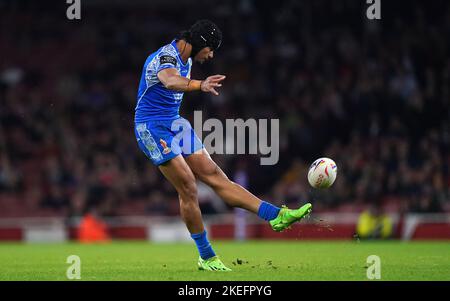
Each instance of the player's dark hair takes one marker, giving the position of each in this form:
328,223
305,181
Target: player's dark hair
184,35
203,33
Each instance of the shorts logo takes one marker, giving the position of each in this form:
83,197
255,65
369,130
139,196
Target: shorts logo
148,141
166,149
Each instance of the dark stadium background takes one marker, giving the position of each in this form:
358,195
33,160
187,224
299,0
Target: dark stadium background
372,95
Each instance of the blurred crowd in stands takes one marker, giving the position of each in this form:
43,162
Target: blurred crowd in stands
372,95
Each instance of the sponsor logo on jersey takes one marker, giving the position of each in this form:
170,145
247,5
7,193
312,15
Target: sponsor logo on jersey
167,59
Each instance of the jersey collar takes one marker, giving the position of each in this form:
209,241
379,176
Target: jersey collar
174,45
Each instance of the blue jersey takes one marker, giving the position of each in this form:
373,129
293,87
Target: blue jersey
154,101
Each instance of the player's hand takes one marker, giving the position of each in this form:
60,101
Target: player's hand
211,83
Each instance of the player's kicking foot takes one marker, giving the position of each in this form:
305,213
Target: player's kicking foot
212,264
286,217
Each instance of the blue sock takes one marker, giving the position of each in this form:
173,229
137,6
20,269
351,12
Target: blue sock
268,211
203,245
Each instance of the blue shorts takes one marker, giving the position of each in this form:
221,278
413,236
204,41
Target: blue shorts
162,140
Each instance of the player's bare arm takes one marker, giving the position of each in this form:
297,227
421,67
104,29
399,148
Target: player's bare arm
172,80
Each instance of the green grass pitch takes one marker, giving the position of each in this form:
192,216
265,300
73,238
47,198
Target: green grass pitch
253,260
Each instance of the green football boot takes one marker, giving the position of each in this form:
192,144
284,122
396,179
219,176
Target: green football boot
286,217
212,264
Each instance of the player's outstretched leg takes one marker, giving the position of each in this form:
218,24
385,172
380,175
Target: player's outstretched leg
206,170
182,178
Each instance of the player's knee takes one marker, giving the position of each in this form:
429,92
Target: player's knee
215,178
188,189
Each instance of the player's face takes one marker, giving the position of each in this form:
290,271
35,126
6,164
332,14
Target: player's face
204,55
